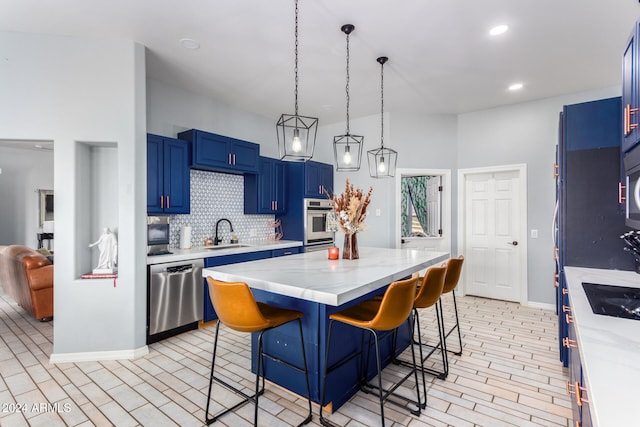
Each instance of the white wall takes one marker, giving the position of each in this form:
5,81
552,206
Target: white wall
24,172
80,93
525,133
171,110
425,142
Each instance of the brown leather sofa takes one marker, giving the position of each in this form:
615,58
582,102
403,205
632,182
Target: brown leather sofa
27,277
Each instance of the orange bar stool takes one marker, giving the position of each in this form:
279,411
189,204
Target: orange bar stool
427,295
378,315
454,269
237,309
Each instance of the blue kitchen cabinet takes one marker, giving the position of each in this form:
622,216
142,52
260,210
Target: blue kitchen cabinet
590,219
631,91
220,153
286,251
265,192
209,313
309,179
168,177
576,383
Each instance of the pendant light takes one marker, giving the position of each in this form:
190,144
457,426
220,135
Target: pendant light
382,161
296,134
347,148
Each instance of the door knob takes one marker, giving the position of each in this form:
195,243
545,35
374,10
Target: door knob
514,243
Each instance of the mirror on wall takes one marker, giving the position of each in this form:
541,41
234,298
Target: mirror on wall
45,206
421,206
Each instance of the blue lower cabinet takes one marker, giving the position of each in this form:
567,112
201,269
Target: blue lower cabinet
209,313
286,251
284,342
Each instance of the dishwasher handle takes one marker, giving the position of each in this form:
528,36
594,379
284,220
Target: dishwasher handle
180,268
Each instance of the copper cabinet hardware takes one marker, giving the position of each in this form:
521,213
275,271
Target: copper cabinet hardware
569,343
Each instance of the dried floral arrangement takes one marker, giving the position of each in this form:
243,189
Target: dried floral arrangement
351,208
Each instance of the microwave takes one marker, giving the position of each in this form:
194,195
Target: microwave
632,188
157,235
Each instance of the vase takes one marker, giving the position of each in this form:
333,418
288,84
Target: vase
350,249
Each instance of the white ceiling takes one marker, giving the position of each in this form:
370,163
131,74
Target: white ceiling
441,58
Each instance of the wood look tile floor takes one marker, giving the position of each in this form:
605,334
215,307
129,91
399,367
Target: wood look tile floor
508,375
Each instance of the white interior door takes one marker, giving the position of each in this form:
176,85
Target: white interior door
494,238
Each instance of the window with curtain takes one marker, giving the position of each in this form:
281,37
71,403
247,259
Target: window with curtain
421,206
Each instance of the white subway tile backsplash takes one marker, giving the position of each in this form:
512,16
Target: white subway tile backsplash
215,196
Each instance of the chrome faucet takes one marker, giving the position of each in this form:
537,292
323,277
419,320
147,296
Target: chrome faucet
216,239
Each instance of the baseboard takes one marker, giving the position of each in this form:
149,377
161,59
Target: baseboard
542,305
93,356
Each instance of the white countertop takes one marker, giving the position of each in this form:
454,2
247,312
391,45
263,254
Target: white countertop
220,250
313,277
609,350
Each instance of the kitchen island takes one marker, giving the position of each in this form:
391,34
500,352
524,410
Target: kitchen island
317,286
609,350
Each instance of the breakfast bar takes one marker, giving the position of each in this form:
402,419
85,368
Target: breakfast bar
317,286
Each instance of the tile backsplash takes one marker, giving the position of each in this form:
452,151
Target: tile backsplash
215,196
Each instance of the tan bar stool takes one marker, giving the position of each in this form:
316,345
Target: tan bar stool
454,269
378,315
237,308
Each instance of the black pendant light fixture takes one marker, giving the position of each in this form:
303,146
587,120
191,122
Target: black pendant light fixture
382,161
347,148
296,134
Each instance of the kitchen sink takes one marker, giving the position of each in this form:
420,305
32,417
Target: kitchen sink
616,301
231,246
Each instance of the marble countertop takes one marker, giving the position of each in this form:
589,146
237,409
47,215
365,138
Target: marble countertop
609,350
313,277
220,250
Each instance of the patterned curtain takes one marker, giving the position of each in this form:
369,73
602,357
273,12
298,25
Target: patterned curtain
414,193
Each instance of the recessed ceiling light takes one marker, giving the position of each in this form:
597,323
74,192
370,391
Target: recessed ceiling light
498,29
515,86
189,44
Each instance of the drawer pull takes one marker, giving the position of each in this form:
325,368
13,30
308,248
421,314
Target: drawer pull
566,309
568,318
569,343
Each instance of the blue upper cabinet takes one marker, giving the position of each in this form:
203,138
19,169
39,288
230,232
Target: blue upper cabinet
264,193
318,178
220,153
168,179
630,92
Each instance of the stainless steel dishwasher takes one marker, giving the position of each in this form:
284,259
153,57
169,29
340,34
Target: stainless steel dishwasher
175,298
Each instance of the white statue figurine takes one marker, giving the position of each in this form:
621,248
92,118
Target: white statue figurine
108,246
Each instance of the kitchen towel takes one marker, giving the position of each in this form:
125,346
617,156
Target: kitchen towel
185,237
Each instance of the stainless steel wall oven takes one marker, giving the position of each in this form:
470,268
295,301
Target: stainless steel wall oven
316,227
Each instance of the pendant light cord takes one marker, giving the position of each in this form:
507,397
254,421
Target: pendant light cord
382,105
295,68
347,86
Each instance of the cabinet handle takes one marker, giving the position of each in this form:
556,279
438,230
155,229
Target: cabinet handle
276,204
234,158
555,253
556,170
556,278
566,309
577,390
621,192
168,204
161,202
568,318
565,291
569,343
628,126
229,159
287,253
